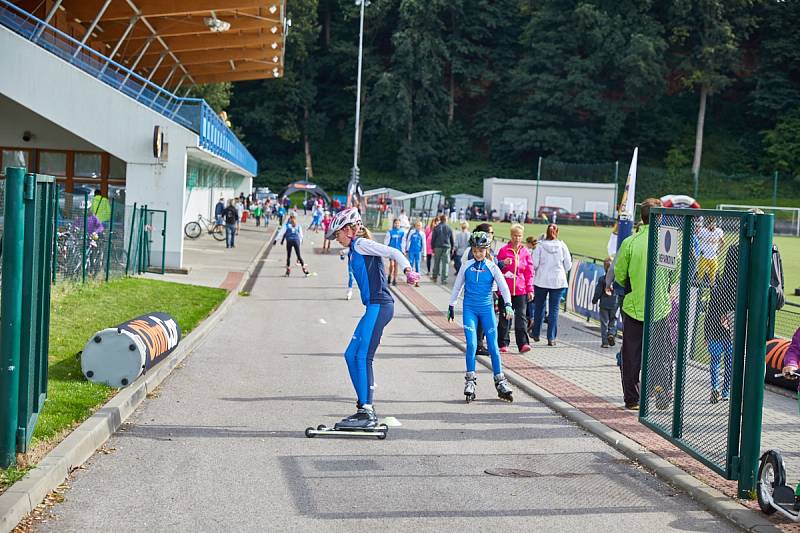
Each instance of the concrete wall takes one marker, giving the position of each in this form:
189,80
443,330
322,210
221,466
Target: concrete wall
16,119
521,195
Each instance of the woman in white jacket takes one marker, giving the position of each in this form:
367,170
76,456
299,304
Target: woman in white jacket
551,262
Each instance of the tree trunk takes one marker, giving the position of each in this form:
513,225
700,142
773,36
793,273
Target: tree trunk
307,143
451,110
698,143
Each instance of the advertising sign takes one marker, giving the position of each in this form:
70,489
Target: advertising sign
584,277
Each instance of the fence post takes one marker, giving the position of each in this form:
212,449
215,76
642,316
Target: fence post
55,233
753,395
11,314
85,243
164,244
130,240
110,237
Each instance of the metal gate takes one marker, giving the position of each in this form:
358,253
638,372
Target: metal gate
29,225
704,335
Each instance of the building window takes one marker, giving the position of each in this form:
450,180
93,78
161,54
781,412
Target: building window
116,168
87,165
53,163
13,158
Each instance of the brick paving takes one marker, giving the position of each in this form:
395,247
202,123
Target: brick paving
583,374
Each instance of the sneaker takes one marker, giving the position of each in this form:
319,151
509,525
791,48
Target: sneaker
504,349
611,340
434,279
394,283
349,294
604,345
715,396
535,339
551,343
525,348
416,284
481,350
632,406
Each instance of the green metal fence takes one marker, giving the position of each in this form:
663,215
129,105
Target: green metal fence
28,227
704,335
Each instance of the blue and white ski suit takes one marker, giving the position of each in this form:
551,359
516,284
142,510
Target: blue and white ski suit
477,279
366,261
293,235
415,242
394,238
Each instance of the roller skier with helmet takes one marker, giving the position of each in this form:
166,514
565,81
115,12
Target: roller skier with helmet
478,278
366,261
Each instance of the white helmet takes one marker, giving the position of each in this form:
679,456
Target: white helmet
343,218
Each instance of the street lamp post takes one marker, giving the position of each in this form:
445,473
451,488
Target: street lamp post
352,188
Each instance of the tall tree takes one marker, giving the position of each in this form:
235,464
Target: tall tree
706,36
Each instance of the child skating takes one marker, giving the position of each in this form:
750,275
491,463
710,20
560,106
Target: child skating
366,260
414,246
292,233
394,239
476,277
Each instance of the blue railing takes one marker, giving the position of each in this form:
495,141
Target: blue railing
192,113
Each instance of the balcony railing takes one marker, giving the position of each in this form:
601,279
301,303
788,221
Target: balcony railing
192,113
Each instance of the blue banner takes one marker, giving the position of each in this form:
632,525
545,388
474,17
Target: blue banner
583,280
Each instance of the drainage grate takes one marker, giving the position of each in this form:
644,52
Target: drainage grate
511,472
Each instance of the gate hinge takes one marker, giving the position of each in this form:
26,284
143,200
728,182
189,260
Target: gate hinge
750,227
734,468
29,187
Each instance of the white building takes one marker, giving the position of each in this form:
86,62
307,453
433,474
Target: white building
521,196
89,92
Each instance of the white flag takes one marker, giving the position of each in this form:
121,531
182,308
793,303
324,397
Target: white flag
627,204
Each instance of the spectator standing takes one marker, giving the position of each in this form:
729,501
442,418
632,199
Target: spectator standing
218,209
551,262
530,243
607,298
461,244
710,238
101,208
718,326
240,214
515,263
630,272
230,215
405,224
258,212
442,242
428,248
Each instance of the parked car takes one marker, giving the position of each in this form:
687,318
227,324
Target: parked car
561,213
594,217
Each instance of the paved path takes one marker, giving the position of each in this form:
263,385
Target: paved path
221,447
582,373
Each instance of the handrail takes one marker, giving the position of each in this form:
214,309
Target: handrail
192,113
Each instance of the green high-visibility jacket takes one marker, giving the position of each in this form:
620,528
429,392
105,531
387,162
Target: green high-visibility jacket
101,208
632,267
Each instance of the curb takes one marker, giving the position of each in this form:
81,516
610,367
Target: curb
25,495
712,499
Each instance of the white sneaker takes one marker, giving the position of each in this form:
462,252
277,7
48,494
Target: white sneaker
349,294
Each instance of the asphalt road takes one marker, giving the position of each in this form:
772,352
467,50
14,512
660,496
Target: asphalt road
221,446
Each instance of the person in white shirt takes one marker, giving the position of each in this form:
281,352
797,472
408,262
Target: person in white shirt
710,239
405,224
551,262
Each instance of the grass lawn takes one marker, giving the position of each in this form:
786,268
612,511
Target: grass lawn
78,311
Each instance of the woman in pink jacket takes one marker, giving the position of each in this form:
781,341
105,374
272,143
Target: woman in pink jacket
514,261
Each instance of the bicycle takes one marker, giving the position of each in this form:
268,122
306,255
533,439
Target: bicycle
194,228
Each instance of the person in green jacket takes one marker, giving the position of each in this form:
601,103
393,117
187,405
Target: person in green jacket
258,212
100,207
630,272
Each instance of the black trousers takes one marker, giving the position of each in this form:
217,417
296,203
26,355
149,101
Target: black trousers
520,305
293,245
631,358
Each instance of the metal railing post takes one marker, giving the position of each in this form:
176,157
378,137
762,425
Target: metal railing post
130,240
755,366
85,236
164,245
110,237
11,314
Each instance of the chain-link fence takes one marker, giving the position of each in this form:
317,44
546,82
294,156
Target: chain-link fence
694,341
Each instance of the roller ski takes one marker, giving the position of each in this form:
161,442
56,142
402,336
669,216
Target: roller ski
469,386
504,391
364,423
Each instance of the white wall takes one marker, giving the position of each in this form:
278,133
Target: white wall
16,119
574,196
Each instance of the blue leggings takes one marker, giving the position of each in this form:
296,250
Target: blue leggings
361,350
485,317
413,258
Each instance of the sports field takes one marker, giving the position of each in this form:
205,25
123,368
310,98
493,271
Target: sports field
591,241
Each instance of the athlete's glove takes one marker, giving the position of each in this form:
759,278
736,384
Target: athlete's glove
412,277
509,312
451,313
